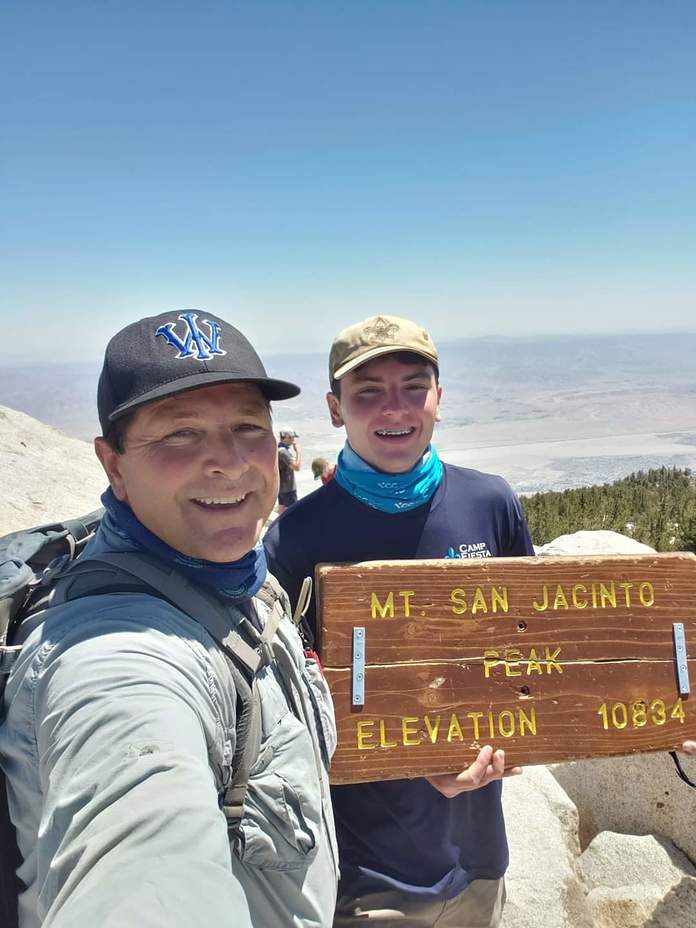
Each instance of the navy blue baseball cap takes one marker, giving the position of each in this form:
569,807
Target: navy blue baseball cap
176,351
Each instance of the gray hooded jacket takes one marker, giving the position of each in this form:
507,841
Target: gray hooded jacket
118,736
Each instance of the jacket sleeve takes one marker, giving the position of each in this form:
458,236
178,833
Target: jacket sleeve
129,733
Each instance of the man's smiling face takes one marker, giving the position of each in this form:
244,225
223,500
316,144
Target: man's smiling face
199,469
389,407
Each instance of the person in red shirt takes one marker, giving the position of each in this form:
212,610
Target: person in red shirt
322,469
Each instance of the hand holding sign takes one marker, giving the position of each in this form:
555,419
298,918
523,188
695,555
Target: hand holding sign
488,766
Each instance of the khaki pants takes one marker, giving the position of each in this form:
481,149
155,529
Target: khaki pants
479,906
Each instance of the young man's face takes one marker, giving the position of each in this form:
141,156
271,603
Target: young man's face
389,408
199,469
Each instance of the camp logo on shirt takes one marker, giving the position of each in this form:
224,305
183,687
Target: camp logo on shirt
471,550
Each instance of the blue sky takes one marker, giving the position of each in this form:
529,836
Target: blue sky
491,168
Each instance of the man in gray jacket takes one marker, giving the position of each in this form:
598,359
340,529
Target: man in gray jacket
120,713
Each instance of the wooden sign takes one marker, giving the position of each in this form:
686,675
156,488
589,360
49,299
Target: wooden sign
551,658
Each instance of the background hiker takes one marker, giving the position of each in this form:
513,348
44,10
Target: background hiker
323,470
289,462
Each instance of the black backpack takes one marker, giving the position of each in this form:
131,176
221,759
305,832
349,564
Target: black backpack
44,566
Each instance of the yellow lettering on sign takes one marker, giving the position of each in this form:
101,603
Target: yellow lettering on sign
385,611
455,729
552,660
678,711
432,729
479,604
406,596
601,595
491,659
531,723
383,743
533,664
638,714
512,658
475,716
364,732
499,597
497,600
409,734
560,601
646,594
544,604
506,723
607,594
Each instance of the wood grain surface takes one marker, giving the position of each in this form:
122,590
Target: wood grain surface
551,659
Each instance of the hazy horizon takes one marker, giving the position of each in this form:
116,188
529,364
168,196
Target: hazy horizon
11,357
546,413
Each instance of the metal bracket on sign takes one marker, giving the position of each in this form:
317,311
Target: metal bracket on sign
358,695
680,657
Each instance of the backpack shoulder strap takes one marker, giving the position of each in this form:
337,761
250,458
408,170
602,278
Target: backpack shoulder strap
271,592
125,572
248,742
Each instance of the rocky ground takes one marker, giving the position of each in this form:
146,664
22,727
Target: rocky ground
606,843
594,844
633,879
44,475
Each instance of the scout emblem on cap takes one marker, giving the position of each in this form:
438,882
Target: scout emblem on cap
206,346
381,331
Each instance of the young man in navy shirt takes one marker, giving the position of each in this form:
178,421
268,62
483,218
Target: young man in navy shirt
429,851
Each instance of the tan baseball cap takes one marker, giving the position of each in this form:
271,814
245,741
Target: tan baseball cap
375,336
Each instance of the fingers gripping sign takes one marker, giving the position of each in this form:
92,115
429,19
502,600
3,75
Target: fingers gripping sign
488,766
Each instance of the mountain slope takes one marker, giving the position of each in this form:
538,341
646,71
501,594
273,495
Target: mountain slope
44,474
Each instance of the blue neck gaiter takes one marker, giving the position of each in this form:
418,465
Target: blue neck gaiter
235,580
389,492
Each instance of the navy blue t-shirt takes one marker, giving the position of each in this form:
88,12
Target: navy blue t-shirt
403,834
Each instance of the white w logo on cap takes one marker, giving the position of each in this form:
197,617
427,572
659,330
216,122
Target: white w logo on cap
207,346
